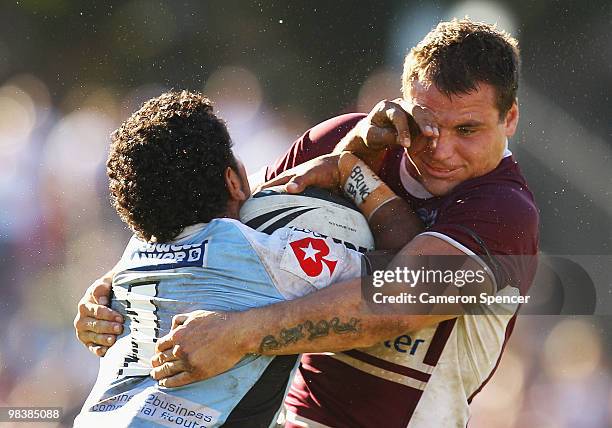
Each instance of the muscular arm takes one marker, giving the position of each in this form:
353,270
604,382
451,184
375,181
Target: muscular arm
335,316
332,319
394,225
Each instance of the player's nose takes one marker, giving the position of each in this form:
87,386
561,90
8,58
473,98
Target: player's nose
442,149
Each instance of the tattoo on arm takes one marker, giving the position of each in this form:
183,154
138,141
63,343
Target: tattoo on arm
309,330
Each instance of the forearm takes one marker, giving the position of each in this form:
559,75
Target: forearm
332,319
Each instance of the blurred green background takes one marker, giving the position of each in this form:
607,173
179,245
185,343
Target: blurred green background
71,71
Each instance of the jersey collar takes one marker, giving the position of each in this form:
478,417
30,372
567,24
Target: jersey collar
190,230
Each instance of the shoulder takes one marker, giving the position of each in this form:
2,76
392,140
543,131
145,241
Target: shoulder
133,245
254,237
501,201
500,196
268,247
229,236
338,125
316,141
493,219
498,210
300,260
322,138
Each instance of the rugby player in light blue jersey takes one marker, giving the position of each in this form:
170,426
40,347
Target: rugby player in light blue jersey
175,181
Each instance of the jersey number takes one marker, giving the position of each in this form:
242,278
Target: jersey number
144,328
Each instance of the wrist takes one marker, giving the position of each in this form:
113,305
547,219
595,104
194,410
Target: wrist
362,185
243,326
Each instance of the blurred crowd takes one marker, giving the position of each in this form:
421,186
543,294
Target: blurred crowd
58,231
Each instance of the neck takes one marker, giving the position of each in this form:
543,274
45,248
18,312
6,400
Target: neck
232,210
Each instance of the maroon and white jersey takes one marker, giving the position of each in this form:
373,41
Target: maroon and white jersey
427,378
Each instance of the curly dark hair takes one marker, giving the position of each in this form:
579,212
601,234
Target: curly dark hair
166,165
459,54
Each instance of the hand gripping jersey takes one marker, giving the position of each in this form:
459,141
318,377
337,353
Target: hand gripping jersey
220,266
426,378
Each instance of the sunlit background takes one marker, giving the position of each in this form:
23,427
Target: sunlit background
71,71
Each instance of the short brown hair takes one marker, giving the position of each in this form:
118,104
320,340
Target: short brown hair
166,166
457,55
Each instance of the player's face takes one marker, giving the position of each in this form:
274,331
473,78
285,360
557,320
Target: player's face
472,136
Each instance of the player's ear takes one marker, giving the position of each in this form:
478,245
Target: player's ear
233,183
511,119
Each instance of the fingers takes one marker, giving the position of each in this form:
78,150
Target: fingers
163,357
93,325
426,120
293,183
99,312
101,326
88,336
435,137
388,125
378,137
399,119
180,379
168,369
165,343
178,320
320,172
95,332
96,325
432,132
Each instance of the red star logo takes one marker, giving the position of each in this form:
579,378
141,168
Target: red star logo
310,253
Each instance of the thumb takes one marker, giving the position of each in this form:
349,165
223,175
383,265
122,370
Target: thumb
101,291
297,184
281,179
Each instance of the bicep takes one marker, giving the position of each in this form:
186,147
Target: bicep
443,252
429,255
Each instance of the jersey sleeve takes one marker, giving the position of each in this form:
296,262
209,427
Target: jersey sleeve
499,224
318,140
300,261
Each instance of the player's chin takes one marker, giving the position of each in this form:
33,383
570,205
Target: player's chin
439,187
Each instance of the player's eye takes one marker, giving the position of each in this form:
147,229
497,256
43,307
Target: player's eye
465,131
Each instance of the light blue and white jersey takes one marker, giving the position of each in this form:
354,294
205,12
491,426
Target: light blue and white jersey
220,266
